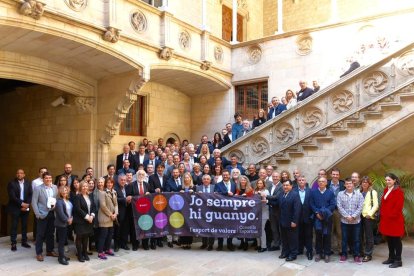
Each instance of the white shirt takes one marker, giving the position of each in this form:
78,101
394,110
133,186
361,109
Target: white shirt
206,189
141,158
21,183
37,182
161,179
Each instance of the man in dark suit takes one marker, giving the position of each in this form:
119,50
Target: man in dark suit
290,209
126,155
111,173
227,138
304,91
336,185
121,229
68,174
226,188
174,184
151,160
275,190
141,156
276,109
20,198
305,222
138,188
207,187
157,184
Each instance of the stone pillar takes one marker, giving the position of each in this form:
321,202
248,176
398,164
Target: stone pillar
279,16
234,25
112,32
204,24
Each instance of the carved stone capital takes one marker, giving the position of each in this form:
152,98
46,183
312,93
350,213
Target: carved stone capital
32,8
85,104
205,65
111,35
166,53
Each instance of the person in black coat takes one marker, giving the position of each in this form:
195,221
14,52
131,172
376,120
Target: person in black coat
261,119
83,216
305,226
290,208
304,91
18,206
63,218
121,229
128,156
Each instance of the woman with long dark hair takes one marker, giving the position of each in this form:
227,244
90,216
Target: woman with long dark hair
392,220
217,141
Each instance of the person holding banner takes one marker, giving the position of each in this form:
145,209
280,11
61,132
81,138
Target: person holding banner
174,184
187,187
207,187
226,188
243,188
263,193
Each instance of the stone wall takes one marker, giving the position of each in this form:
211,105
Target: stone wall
269,17
35,134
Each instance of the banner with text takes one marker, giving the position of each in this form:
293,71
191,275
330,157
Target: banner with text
203,214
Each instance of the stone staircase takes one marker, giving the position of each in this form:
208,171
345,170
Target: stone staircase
331,124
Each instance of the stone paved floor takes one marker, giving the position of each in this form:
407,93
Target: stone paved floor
166,261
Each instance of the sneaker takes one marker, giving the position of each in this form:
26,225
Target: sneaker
342,259
366,259
102,256
358,260
109,252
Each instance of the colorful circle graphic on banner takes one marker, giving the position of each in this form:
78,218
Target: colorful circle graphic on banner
176,219
143,205
145,222
176,202
159,202
160,220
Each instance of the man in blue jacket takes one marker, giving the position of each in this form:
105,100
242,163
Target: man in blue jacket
276,109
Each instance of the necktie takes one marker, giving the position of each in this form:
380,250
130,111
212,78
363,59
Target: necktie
177,183
141,189
151,162
285,195
125,156
205,189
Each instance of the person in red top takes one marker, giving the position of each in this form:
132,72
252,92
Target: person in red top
392,220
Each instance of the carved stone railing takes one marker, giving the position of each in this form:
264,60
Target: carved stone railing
346,101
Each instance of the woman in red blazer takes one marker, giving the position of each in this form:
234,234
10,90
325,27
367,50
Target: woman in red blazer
392,220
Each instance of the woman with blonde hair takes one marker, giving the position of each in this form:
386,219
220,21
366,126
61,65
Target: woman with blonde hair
290,99
187,187
205,151
261,119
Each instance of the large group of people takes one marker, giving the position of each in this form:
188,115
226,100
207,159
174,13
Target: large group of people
96,213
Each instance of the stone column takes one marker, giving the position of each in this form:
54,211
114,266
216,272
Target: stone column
234,25
279,16
204,24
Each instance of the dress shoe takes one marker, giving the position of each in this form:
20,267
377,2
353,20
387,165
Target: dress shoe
26,245
203,246
327,259
219,248
230,247
159,243
395,264
125,247
86,257
81,259
283,256
39,258
309,255
52,254
153,246
170,244
134,248
13,247
274,248
63,261
261,250
290,258
209,248
67,258
387,262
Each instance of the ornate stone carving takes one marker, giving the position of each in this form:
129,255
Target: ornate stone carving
374,107
388,99
280,154
408,88
184,40
405,63
32,8
111,35
254,54
166,53
122,109
342,101
375,83
304,44
239,154
312,117
285,133
339,124
139,22
85,104
205,65
76,5
218,53
260,146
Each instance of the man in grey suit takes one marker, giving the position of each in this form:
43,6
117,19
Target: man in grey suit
207,187
43,203
274,192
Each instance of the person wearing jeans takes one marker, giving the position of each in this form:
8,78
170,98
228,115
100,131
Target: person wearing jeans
349,204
